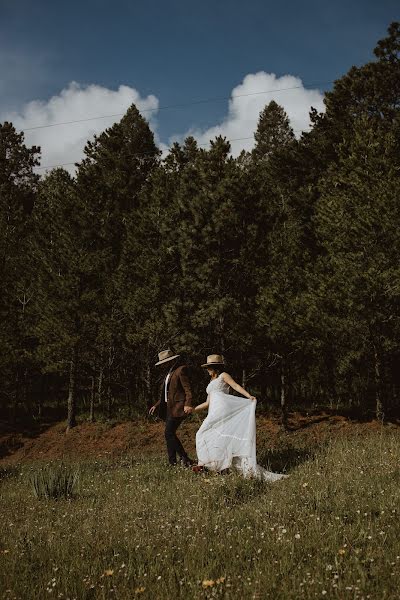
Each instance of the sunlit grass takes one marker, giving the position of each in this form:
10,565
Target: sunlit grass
141,529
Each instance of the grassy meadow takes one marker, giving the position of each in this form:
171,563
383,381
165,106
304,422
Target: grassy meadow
138,529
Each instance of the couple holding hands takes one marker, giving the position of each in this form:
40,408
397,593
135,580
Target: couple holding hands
227,437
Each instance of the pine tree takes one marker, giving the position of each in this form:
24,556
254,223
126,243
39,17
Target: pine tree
18,185
68,268
282,247
208,238
273,131
358,225
117,166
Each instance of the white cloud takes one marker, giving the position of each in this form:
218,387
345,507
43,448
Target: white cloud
65,143
244,110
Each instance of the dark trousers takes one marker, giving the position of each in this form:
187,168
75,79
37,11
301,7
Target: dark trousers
174,445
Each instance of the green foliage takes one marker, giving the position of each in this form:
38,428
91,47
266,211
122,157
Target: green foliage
273,131
357,221
18,186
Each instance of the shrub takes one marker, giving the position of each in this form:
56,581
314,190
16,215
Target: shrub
55,481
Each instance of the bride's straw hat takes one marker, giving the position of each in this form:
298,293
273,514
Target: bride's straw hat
214,359
165,356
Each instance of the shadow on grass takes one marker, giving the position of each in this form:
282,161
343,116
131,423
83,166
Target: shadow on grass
236,491
283,460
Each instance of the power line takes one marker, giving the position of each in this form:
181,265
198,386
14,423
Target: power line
182,105
142,154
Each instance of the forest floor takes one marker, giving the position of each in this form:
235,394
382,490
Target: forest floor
146,437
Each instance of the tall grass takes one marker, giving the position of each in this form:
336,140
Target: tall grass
55,481
141,529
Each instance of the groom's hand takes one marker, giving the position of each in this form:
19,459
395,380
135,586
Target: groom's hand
152,409
187,410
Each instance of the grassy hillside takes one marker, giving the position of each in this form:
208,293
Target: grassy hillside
138,529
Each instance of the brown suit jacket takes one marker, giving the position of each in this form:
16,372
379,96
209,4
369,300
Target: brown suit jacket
179,394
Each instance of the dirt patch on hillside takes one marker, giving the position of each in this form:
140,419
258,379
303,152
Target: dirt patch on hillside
101,440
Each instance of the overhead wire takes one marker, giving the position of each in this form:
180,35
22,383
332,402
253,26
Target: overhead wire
181,105
171,106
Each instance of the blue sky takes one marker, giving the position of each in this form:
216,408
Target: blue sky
180,51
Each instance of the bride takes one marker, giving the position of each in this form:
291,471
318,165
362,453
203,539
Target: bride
227,437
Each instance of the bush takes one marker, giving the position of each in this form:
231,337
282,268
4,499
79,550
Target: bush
55,481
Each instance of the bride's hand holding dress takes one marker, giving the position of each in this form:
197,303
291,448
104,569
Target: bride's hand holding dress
235,386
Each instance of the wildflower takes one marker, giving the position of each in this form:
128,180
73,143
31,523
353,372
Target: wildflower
342,551
139,590
109,572
206,583
297,536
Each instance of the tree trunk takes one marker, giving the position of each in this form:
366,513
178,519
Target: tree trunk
379,406
109,398
17,396
109,390
244,378
92,397
42,394
222,333
148,384
100,386
283,395
263,392
71,419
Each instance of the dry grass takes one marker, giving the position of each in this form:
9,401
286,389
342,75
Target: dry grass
140,529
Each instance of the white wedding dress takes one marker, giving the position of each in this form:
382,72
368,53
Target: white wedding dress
227,437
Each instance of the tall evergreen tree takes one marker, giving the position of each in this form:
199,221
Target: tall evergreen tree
358,223
147,267
67,285
273,131
117,166
18,184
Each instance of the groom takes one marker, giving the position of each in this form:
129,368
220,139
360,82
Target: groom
174,404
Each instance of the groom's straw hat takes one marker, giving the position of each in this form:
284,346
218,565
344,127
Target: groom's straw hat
166,356
214,359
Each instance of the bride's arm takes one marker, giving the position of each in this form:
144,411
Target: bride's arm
202,406
238,388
